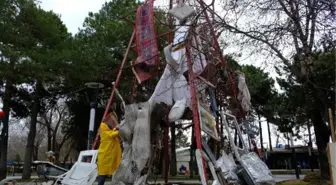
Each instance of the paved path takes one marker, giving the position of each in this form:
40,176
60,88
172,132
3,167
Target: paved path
278,178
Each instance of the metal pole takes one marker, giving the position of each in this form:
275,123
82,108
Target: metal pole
94,146
269,135
166,131
91,124
194,105
260,133
166,147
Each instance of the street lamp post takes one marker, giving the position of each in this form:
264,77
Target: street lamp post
94,86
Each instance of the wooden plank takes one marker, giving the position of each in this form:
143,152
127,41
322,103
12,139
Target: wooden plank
332,126
331,153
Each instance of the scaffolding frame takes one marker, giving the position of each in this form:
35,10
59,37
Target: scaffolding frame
191,80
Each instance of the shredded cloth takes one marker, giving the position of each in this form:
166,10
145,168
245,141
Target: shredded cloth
146,44
173,86
127,172
244,94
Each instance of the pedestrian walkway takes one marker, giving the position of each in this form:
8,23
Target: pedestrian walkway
278,178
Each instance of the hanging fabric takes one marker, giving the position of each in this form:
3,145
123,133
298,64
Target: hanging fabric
145,66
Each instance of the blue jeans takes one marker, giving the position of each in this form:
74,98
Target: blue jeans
101,179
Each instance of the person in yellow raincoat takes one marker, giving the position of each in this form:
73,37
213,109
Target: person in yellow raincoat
109,152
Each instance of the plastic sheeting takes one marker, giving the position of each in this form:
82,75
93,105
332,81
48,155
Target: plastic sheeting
244,94
172,85
142,180
137,149
228,168
127,125
257,169
127,171
141,146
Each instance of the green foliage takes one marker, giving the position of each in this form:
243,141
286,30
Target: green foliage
293,105
182,140
261,88
18,158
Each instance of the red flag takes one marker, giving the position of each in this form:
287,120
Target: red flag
145,66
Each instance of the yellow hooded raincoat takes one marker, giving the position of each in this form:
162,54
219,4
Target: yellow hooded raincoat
109,152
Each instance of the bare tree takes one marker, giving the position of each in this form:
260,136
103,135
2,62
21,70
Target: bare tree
288,31
53,120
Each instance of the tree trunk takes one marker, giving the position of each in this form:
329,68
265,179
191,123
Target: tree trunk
173,167
322,139
32,133
4,132
322,132
49,136
66,157
260,133
36,150
269,136
57,151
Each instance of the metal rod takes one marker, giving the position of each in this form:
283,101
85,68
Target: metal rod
217,47
120,97
167,162
233,146
166,148
94,146
160,35
269,135
238,130
194,104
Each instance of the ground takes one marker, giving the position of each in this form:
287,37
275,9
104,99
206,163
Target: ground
310,179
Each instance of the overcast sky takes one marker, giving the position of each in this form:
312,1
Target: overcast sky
73,13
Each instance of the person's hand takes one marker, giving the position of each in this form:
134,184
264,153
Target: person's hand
116,128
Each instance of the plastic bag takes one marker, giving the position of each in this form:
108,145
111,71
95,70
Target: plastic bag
141,146
176,112
257,169
142,180
127,171
228,168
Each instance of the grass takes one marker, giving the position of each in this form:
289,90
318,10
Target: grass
293,182
286,172
312,178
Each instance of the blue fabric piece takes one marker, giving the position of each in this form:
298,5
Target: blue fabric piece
213,102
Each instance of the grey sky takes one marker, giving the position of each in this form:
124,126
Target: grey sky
73,13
